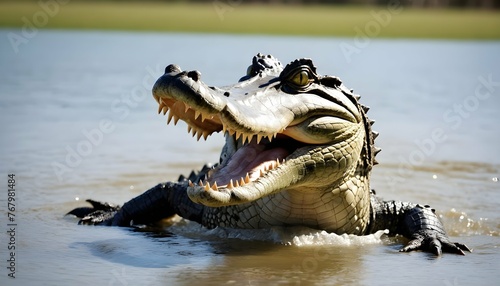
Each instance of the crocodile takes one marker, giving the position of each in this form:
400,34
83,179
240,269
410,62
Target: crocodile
299,150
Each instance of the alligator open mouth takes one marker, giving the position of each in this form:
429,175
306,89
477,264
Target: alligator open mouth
271,119
246,158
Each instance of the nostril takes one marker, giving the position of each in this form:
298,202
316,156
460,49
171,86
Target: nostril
172,68
194,75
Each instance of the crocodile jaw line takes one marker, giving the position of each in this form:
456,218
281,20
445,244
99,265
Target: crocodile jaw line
251,166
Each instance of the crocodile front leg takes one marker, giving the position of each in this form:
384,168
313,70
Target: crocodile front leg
418,223
160,202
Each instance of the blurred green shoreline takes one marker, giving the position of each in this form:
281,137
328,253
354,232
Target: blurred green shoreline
222,17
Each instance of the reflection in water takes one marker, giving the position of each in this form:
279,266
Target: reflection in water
214,255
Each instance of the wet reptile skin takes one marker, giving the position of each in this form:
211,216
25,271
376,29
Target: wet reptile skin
299,152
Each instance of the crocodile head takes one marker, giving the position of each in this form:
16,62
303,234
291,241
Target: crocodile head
286,129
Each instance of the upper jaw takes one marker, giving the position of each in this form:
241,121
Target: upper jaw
248,108
208,109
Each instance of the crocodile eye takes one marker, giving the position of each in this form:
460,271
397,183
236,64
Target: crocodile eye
301,78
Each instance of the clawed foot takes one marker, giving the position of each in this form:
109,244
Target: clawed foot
434,242
98,214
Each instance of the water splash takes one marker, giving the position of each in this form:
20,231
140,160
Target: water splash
459,223
325,238
297,236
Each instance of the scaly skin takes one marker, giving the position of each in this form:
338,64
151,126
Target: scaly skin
299,151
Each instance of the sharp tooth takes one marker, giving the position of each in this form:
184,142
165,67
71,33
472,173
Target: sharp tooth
238,135
224,129
190,183
215,187
277,162
200,183
186,108
210,172
230,185
244,138
189,128
196,114
205,135
202,117
242,182
207,187
198,136
165,110
247,138
270,138
160,108
259,137
247,179
262,173
170,115
176,119
236,184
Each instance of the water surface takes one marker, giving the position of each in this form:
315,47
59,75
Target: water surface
79,121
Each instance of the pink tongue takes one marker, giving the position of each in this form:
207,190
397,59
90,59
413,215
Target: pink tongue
244,160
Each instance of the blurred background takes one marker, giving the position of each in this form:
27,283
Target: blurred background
477,19
78,121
